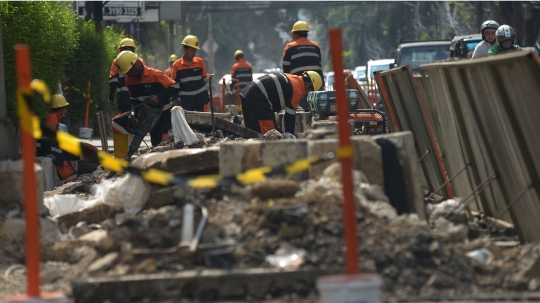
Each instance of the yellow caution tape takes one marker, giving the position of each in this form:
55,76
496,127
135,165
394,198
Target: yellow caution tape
41,87
345,152
83,94
73,145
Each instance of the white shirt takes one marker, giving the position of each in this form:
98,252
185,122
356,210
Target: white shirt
481,50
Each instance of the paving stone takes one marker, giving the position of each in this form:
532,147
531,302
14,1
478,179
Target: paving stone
284,152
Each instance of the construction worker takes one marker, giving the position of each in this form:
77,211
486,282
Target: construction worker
49,148
506,36
301,55
150,90
488,30
272,93
241,70
190,73
172,58
117,84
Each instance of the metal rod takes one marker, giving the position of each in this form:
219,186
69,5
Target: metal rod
465,203
444,184
226,115
423,156
515,200
198,233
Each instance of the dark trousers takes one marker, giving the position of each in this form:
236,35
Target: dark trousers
257,112
192,105
162,127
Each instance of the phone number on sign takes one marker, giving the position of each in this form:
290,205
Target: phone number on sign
121,11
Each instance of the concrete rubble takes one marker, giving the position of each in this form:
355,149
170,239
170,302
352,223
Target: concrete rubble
422,253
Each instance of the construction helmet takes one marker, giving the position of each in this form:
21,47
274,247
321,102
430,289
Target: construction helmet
58,101
489,24
126,42
316,79
191,41
300,26
125,61
238,52
173,58
505,36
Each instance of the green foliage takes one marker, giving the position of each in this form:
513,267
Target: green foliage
91,61
49,30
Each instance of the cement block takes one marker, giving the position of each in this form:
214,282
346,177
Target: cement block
302,119
367,157
318,148
204,122
403,182
237,157
12,185
181,161
284,152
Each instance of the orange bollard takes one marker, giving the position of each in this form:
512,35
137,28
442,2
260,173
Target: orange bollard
345,154
24,76
33,293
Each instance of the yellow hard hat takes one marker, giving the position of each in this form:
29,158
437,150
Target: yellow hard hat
58,101
238,52
300,26
126,42
125,61
173,58
191,41
316,79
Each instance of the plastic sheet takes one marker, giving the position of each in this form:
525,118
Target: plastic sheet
181,129
129,193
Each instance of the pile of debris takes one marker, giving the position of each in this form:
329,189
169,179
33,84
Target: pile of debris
284,224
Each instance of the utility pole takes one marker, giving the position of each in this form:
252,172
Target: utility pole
211,46
184,19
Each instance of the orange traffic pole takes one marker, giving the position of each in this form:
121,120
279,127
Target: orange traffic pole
87,105
223,91
345,154
24,75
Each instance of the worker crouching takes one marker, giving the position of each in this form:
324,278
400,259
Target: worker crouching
272,93
150,90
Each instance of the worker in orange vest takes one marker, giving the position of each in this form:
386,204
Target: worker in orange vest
49,148
241,70
117,84
172,59
302,54
272,93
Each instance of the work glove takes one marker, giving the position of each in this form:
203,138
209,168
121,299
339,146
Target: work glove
153,100
51,156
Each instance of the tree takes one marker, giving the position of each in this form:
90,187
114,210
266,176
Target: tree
49,30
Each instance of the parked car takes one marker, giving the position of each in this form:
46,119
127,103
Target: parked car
330,78
416,53
462,47
359,74
373,66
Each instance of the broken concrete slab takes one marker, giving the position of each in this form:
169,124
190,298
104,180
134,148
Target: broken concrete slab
318,148
181,161
204,122
90,215
12,185
402,179
213,284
